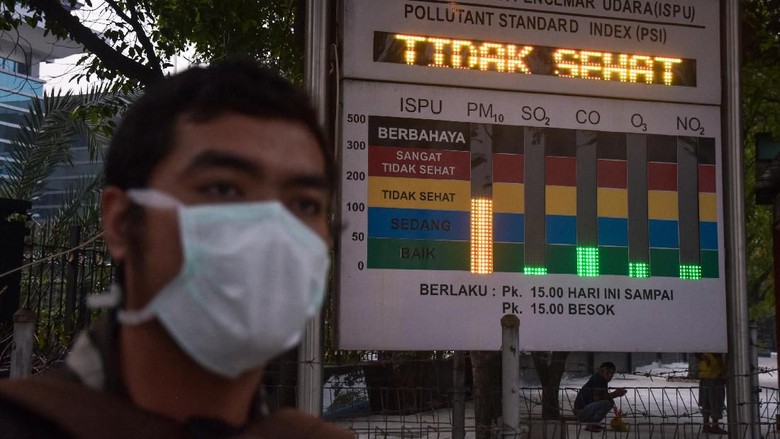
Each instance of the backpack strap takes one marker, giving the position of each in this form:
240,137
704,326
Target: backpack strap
86,413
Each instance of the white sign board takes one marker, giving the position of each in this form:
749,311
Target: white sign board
597,221
584,47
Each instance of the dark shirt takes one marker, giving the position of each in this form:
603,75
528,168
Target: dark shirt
595,389
59,405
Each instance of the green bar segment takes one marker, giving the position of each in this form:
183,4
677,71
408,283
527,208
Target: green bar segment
413,254
613,260
709,264
508,258
664,262
561,259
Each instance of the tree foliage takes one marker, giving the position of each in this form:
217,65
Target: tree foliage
761,113
131,43
45,140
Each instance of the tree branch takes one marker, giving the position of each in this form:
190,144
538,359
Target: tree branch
143,38
54,11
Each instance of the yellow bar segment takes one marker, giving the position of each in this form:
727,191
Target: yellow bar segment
417,193
481,235
561,200
509,197
612,203
708,207
662,205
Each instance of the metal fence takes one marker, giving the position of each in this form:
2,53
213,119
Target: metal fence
60,269
646,412
400,395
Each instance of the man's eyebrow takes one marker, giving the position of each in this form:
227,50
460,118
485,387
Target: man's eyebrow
217,159
311,181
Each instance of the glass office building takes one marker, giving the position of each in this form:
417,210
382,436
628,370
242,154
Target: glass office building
22,51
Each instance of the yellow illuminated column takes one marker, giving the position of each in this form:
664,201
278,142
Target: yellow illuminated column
481,145
481,235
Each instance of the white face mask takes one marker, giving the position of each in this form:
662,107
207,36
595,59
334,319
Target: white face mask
251,277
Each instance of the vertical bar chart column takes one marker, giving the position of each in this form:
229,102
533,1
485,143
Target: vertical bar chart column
613,204
535,258
662,206
688,207
708,208
481,199
587,205
636,182
561,200
508,198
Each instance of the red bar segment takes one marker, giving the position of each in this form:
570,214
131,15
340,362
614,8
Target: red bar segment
508,168
661,176
436,164
707,178
561,171
612,173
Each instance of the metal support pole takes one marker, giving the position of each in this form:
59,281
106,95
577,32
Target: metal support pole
510,376
24,337
739,395
756,390
776,261
315,74
71,278
459,395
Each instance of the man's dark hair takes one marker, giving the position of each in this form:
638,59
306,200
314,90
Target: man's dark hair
146,134
607,365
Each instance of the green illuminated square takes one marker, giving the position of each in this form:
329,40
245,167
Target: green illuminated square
535,271
639,269
689,271
588,261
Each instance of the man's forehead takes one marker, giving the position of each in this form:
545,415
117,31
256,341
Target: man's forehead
256,147
233,134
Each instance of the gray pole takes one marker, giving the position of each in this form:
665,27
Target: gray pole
756,390
71,278
315,77
459,395
24,337
739,396
510,376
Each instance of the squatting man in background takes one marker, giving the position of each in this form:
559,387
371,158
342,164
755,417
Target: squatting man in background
712,390
594,400
218,183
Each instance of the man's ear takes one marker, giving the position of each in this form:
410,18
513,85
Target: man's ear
114,205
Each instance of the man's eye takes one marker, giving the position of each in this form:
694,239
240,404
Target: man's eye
223,190
307,206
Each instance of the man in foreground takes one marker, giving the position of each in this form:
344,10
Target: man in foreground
218,183
594,400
